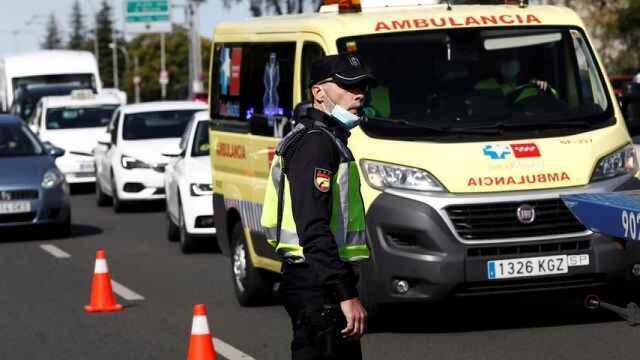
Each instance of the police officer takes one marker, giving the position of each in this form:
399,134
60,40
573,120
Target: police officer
314,215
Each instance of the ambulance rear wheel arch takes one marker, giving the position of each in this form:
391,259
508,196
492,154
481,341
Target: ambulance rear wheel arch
224,221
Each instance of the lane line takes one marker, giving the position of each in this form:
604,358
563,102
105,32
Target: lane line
229,352
55,251
125,292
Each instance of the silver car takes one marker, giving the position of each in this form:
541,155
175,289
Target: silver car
33,191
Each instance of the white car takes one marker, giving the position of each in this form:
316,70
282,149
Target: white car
187,183
74,123
128,157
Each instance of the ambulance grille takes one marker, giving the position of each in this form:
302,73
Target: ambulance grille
500,220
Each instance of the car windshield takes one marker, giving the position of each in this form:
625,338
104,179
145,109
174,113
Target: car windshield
156,124
79,117
201,140
17,140
480,82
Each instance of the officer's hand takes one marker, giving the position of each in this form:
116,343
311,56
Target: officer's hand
356,317
541,84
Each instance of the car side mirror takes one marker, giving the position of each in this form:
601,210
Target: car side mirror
172,151
55,152
105,139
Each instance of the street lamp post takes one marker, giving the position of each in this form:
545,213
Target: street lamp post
114,48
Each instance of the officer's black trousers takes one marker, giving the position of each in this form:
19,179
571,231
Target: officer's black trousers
305,303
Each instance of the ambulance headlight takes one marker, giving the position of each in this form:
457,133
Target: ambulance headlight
383,176
621,162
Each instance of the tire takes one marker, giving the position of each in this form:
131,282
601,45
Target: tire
252,286
118,205
63,229
187,242
173,232
102,199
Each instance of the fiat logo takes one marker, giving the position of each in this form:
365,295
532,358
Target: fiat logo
526,214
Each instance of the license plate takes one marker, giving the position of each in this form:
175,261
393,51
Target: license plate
87,166
14,207
527,267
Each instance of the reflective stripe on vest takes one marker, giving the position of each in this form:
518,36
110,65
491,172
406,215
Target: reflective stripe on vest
347,214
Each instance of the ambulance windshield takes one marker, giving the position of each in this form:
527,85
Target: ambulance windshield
482,82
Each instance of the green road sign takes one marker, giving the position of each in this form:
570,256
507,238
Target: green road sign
147,16
154,6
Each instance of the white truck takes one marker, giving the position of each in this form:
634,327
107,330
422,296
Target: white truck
46,67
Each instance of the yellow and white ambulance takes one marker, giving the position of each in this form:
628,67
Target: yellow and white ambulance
484,115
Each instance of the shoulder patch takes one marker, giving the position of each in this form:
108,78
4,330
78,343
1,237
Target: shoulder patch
322,179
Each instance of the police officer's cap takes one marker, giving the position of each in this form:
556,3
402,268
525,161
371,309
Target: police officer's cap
343,69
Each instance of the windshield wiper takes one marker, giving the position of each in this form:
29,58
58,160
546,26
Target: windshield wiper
442,130
536,125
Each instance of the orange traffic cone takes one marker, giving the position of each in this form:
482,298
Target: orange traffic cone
102,298
200,344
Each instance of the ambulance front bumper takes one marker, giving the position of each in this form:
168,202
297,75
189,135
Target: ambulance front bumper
413,240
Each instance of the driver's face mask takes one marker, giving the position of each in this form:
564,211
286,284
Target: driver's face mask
344,116
509,70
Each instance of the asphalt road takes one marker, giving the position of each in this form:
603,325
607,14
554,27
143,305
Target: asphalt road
42,298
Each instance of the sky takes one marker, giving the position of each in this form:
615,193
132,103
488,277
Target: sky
22,22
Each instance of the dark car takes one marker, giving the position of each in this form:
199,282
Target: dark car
33,191
619,82
27,96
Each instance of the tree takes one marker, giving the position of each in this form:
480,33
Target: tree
104,32
276,7
147,48
77,38
53,38
628,26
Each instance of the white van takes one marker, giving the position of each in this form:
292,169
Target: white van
46,67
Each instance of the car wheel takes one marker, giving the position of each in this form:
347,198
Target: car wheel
102,199
187,242
252,286
118,206
63,229
173,232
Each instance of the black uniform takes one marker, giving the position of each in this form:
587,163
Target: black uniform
312,290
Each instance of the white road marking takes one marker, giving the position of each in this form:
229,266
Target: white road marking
125,292
55,251
229,352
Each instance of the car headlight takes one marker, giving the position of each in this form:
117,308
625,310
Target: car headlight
382,176
129,162
201,189
52,178
621,162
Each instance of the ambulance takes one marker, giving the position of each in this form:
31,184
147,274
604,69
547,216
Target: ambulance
484,115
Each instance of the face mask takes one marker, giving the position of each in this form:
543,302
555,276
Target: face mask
344,116
510,69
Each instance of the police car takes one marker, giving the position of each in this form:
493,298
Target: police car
74,123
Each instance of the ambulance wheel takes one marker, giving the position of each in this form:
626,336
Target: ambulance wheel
251,284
